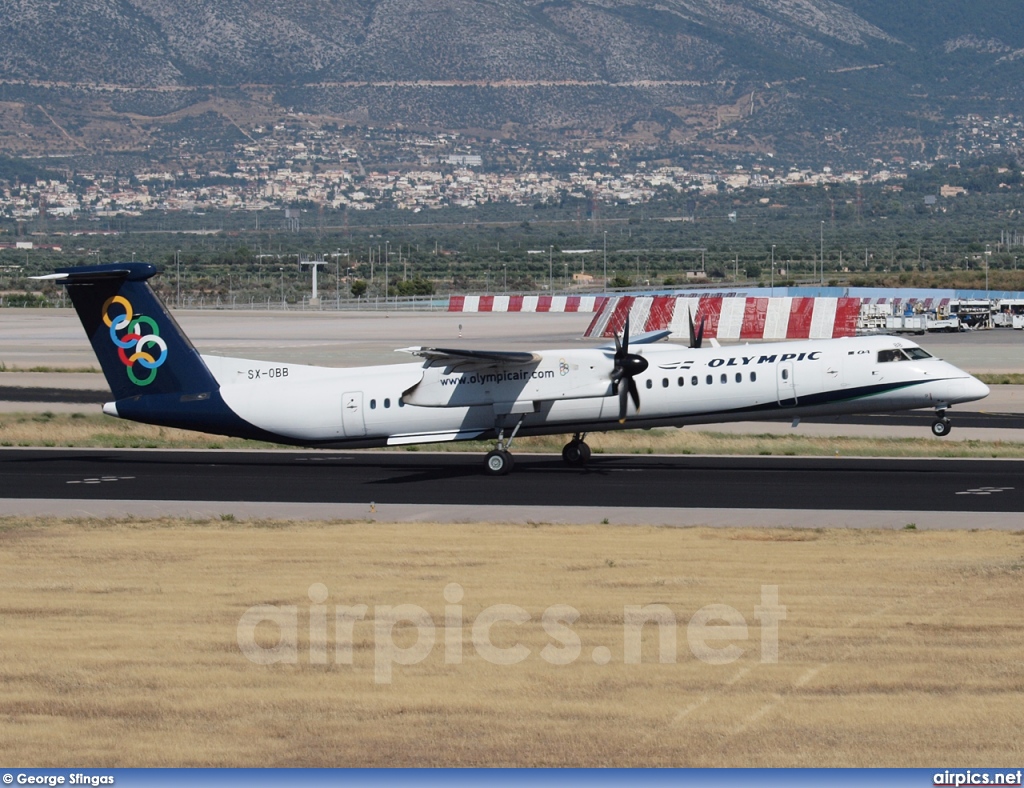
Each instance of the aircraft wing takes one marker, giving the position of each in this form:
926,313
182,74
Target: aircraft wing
472,358
643,339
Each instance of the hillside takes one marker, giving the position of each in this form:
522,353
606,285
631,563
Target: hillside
101,76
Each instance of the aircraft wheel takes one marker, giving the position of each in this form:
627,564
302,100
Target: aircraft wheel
941,428
498,463
576,453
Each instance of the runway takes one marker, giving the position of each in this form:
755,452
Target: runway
452,486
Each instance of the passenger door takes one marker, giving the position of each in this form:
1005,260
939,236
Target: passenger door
786,384
352,420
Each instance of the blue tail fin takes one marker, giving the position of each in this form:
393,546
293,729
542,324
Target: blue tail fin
140,347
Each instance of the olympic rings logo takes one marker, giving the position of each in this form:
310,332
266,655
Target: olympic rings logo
142,343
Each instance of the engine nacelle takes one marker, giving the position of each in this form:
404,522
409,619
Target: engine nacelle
556,376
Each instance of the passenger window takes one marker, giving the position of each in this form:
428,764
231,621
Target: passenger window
693,381
753,376
401,402
739,377
681,380
725,378
650,383
373,404
387,403
710,380
664,383
785,374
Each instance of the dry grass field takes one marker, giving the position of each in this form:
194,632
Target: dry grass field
120,646
98,431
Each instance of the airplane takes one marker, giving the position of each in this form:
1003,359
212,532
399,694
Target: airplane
156,376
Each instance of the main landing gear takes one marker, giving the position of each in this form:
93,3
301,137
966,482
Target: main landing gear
576,452
500,462
941,426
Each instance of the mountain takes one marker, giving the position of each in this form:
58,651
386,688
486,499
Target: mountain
803,77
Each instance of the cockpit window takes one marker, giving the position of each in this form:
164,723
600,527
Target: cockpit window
891,355
917,353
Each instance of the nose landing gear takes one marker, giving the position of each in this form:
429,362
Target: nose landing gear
941,426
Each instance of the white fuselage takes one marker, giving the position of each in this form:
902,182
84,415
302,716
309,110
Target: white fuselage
570,390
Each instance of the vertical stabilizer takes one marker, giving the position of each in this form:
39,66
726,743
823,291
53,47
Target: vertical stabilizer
140,347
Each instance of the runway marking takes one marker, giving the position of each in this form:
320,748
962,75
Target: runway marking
984,490
99,479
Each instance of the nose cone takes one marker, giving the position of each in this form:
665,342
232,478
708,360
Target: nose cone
974,389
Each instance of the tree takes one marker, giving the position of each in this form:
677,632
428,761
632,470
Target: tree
358,288
410,287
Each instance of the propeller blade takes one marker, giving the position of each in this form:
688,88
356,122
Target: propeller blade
696,337
626,366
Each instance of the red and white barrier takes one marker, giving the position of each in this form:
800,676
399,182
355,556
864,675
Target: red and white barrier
729,318
527,303
725,317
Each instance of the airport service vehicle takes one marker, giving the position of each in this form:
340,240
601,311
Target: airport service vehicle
944,324
1010,314
158,377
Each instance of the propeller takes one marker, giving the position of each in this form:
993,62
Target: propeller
626,366
695,339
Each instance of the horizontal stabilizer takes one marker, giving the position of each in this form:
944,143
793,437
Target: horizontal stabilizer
440,355
133,272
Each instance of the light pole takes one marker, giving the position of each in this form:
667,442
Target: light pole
605,248
177,268
773,270
504,272
337,278
988,256
551,280
822,252
282,287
